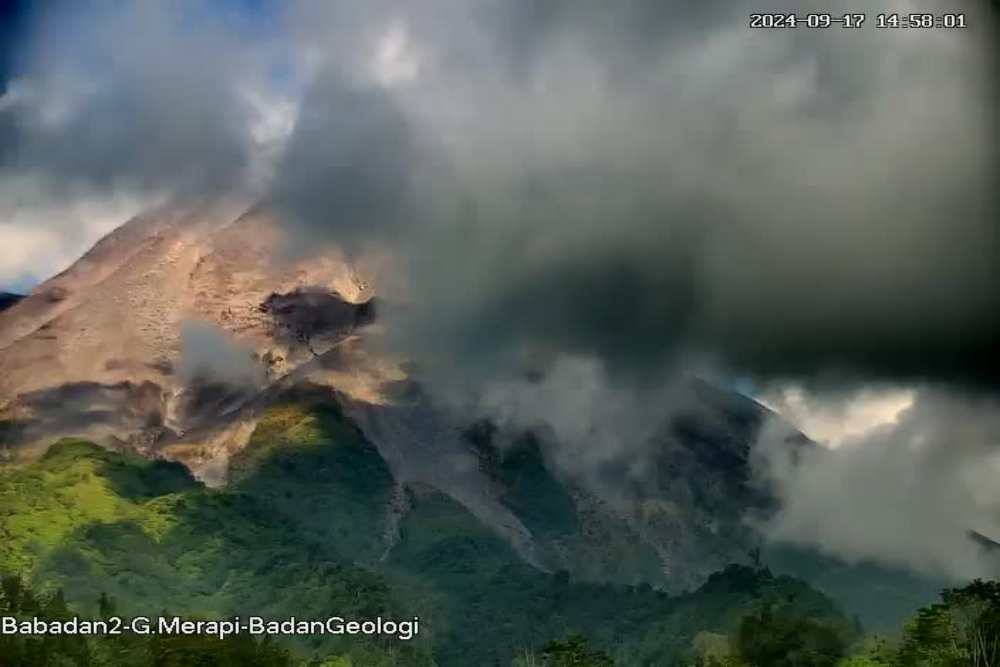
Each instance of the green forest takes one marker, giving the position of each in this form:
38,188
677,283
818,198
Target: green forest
90,532
963,629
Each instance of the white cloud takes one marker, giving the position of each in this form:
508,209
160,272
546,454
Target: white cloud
834,421
395,60
272,122
26,250
41,234
903,493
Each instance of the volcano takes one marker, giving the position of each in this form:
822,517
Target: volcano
193,335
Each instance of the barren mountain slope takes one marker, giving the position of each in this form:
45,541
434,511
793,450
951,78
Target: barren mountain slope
98,349
132,347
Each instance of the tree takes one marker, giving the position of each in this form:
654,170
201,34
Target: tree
573,652
756,562
861,661
106,605
929,638
711,649
975,615
526,659
767,639
55,606
10,592
962,629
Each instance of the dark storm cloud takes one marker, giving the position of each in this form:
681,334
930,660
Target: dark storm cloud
600,201
656,181
585,199
11,16
127,96
349,162
639,183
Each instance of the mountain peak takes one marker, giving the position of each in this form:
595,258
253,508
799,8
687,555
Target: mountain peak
101,350
8,299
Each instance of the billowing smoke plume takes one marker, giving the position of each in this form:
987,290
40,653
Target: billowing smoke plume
210,355
597,199
640,185
907,493
606,194
596,430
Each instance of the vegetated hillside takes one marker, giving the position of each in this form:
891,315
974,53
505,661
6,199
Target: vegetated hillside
98,352
315,525
21,601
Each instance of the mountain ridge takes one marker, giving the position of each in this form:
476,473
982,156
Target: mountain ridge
152,536
105,358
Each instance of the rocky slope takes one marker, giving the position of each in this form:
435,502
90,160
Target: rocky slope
98,350
177,334
279,541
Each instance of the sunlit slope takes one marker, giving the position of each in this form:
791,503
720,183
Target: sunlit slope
314,524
